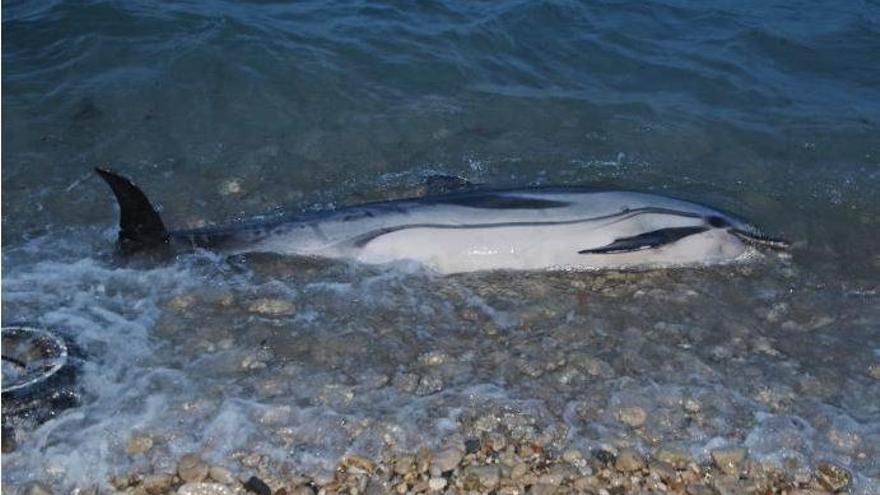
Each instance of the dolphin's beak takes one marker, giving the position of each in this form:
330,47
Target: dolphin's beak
758,239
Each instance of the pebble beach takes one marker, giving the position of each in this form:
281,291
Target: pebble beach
205,373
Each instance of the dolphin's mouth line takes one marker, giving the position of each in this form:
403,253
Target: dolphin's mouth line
761,240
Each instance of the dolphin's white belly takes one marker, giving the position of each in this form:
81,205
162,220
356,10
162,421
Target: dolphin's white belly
554,247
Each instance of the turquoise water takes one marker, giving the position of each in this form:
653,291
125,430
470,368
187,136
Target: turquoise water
223,110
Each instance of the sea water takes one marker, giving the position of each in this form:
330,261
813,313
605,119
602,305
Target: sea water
223,110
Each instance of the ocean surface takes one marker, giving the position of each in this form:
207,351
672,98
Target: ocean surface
223,110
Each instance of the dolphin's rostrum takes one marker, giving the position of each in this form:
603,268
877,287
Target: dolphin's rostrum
528,229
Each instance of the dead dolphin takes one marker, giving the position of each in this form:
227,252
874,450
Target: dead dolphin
562,228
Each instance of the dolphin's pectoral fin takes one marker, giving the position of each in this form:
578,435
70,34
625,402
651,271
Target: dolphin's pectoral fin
648,240
445,184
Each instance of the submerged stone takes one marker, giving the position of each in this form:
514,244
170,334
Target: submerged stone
729,459
191,468
204,489
633,416
445,460
156,484
628,460
258,486
139,445
486,477
221,474
833,477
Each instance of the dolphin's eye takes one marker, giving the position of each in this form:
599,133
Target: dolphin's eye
717,222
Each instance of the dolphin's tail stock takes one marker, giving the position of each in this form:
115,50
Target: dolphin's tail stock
140,226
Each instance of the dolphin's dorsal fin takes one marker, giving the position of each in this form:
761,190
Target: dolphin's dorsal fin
444,184
140,226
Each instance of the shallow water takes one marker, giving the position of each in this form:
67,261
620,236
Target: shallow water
223,110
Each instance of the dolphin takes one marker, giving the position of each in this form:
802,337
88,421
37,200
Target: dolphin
546,228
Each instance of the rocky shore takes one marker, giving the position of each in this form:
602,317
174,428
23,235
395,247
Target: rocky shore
480,466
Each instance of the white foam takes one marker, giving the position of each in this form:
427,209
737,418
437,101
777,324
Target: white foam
344,372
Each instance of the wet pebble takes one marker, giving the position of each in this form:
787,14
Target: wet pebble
596,367
777,312
469,314
275,415
191,468
258,486
729,460
487,476
204,489
674,457
139,445
833,477
121,482
604,456
763,345
38,488
699,489
628,460
434,358
569,375
250,459
252,362
471,445
182,302
543,489
221,475
272,307
692,406
558,474
586,484
530,368
358,463
777,396
231,187
845,440
429,384
8,440
407,382
420,487
633,416
575,458
302,490
404,464
156,484
721,353
445,460
729,485
874,371
436,484
519,470
663,470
